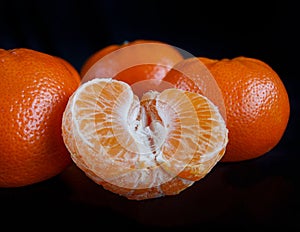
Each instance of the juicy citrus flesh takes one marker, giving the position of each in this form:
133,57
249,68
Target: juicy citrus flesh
35,88
146,147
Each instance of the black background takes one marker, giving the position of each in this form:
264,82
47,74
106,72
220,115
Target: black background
262,193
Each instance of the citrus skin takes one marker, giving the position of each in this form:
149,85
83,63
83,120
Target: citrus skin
34,88
255,101
257,105
131,61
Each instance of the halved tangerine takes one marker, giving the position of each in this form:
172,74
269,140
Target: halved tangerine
142,147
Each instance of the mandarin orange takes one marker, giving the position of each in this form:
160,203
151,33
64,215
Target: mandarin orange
142,148
35,88
132,61
256,102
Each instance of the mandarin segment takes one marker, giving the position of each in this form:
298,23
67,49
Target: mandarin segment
142,148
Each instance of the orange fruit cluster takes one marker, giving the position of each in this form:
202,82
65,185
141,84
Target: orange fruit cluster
35,88
141,119
254,101
251,94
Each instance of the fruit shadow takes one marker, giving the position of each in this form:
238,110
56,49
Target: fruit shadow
232,194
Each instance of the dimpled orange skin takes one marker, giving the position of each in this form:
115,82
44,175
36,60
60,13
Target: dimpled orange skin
257,105
106,50
139,72
34,88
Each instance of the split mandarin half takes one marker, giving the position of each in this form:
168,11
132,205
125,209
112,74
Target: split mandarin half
146,147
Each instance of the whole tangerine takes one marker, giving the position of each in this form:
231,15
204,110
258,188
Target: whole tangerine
131,61
35,88
256,102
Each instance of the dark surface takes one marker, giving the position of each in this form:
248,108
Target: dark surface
260,193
